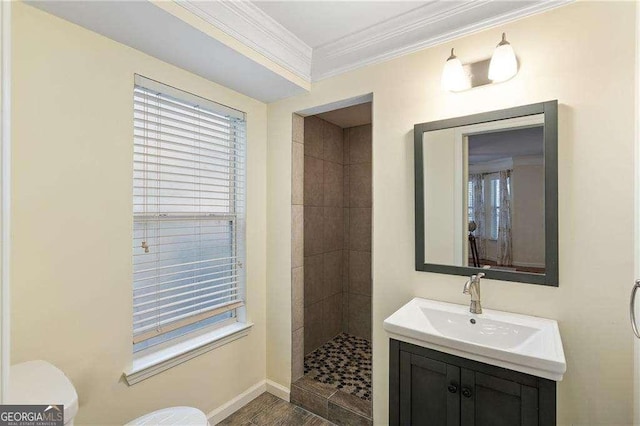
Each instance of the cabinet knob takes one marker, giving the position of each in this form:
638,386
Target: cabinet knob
452,388
466,392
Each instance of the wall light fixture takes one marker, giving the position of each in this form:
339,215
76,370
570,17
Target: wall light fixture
502,66
454,78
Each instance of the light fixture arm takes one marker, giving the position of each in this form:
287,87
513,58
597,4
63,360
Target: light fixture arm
503,41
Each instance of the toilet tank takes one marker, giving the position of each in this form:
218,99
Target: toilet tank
41,383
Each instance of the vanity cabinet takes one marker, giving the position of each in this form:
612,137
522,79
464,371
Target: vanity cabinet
428,387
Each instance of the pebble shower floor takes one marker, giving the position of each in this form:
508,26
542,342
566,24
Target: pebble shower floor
344,363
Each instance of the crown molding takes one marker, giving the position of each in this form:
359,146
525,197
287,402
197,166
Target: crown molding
248,24
431,24
426,26
397,26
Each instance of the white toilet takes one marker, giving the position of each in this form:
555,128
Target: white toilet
38,382
172,416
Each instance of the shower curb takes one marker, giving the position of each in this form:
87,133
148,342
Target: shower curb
330,403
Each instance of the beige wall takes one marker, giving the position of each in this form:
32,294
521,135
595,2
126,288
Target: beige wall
440,197
528,214
581,54
72,209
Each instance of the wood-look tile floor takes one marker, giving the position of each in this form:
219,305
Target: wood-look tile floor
267,410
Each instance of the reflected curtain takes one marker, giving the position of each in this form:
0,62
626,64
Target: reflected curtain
505,253
478,212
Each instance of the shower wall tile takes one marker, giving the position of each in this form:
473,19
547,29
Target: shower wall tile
313,181
333,228
345,146
360,144
345,235
357,201
359,229
313,230
333,184
333,150
313,327
332,273
359,315
360,185
360,272
345,312
332,316
345,185
297,298
297,354
345,269
297,248
297,173
345,289
297,236
325,275
313,279
297,128
313,135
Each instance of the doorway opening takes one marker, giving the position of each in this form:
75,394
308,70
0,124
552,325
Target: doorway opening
331,280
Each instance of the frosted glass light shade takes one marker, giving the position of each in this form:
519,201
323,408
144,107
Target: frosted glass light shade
504,64
454,79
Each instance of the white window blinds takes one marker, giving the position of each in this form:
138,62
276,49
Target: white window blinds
188,207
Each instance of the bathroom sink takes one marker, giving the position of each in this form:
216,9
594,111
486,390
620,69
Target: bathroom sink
522,343
483,331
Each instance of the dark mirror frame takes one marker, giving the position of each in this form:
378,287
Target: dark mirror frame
550,110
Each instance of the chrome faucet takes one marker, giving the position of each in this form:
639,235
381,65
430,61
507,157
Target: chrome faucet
472,287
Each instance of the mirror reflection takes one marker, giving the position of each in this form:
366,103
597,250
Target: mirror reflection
484,195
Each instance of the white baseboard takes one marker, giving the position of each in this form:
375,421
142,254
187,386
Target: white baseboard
230,407
278,390
233,405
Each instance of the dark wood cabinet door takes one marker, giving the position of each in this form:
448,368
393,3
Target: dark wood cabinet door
429,392
491,401
427,387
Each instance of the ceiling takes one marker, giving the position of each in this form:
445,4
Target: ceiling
506,144
152,30
271,50
356,115
319,22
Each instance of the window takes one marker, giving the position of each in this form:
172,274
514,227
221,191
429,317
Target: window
470,211
491,200
494,203
494,206
188,213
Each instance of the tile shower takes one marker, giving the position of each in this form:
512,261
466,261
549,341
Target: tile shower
331,269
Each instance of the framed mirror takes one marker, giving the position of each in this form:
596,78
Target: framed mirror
486,194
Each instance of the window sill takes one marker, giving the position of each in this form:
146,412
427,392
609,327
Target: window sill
149,364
